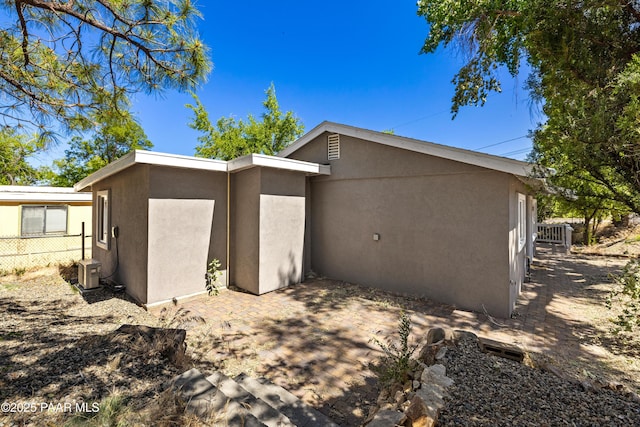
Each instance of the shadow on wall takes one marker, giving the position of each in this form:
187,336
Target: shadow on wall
290,274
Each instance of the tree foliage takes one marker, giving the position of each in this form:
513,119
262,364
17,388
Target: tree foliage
627,294
585,64
116,133
65,60
574,192
15,149
231,138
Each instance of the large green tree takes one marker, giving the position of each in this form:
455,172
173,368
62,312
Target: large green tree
63,60
116,133
230,138
15,149
585,64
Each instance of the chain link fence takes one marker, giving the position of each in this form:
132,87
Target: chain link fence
26,252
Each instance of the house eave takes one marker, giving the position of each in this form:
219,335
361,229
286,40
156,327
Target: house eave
502,164
177,161
150,158
19,193
261,160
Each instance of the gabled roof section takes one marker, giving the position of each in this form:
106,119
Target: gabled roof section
189,162
488,161
22,193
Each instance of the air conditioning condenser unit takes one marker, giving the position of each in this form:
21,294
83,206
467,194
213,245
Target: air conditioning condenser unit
89,273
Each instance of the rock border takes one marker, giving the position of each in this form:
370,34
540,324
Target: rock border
418,402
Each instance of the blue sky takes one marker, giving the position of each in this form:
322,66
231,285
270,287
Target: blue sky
353,62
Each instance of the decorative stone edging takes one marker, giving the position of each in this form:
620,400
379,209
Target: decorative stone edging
418,402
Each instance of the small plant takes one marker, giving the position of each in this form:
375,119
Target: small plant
213,277
19,271
397,363
627,293
178,318
113,411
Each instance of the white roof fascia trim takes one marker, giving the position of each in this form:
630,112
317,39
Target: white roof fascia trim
178,161
112,168
150,158
488,161
45,197
34,189
262,160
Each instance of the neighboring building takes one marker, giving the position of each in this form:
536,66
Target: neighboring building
41,225
366,207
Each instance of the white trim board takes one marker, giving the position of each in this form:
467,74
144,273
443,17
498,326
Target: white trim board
21,193
253,160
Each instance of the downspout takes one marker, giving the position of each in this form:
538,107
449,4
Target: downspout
228,223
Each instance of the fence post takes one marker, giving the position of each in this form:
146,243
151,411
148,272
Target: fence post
82,237
567,236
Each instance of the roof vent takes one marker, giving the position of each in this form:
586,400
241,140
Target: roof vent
333,146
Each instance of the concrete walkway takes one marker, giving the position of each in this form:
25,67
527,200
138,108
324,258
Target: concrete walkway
314,339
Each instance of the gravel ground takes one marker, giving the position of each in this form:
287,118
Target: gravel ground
493,391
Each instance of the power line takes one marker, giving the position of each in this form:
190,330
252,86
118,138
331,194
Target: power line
419,119
445,111
502,142
513,153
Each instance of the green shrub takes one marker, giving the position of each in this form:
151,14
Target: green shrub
397,363
213,277
627,294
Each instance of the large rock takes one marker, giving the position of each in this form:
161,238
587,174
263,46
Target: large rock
417,409
436,375
435,340
386,418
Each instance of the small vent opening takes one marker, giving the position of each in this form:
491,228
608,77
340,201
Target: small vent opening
334,147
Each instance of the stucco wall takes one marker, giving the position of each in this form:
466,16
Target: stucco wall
443,225
245,229
179,240
129,191
187,222
282,221
268,229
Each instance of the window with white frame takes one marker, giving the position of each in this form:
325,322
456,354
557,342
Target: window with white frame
102,220
522,221
43,220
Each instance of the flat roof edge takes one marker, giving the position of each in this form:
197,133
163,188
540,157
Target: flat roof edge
188,162
263,160
150,158
46,197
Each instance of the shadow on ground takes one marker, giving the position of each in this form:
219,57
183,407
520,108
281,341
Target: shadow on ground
314,339
50,352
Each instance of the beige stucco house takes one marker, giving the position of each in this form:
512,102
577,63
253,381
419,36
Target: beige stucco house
366,207
41,225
